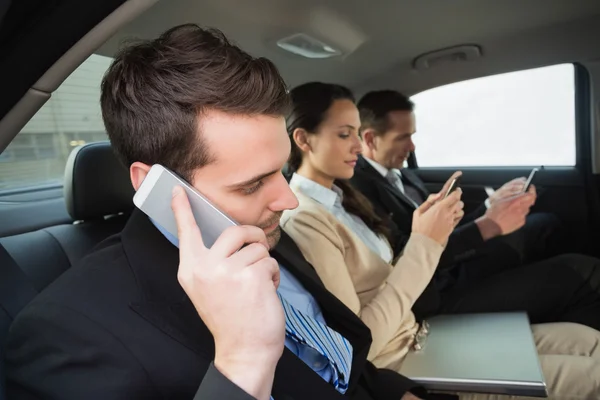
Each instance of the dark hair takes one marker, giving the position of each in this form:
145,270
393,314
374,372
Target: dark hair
310,103
155,91
374,108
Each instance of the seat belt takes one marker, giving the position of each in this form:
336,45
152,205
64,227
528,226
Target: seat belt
16,291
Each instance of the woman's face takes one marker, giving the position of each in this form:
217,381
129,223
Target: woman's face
335,147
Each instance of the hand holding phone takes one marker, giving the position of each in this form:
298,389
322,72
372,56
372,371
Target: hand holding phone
529,181
154,198
235,293
451,184
436,218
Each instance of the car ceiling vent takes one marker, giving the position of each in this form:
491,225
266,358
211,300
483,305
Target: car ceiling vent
307,46
450,55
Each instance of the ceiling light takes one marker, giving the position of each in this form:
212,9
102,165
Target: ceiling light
307,46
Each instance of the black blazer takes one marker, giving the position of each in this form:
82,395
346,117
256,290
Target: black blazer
391,203
119,326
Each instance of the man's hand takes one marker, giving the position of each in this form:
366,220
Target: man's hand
437,217
449,182
234,292
506,215
511,189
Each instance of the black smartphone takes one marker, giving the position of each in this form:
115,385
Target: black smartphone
453,186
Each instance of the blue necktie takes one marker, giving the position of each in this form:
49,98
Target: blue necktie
326,341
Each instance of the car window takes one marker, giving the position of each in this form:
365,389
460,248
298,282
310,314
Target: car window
524,118
72,117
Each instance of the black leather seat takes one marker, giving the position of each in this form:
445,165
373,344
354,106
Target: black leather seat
98,195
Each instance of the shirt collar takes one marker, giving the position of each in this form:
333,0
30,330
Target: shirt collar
325,196
381,169
378,167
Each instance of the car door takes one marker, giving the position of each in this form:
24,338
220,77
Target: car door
498,128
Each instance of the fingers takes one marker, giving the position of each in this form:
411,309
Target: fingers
513,187
430,202
449,181
521,203
452,199
458,215
235,237
532,190
249,255
527,199
188,232
269,267
516,182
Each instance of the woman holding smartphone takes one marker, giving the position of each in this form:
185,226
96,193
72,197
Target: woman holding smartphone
346,242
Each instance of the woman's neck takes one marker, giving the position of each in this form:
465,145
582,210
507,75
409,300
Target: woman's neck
315,176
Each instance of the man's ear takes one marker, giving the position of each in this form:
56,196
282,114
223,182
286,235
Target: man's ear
137,173
368,136
300,137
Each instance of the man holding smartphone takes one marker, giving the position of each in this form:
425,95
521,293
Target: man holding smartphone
145,316
486,266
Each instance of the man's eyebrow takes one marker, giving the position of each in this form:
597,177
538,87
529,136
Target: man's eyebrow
253,180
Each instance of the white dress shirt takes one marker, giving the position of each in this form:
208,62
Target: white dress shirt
396,182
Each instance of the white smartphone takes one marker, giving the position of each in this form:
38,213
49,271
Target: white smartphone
154,199
529,180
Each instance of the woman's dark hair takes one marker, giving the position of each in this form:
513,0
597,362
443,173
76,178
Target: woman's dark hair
310,103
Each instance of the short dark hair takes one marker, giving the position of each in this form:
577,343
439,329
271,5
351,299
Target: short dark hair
374,108
155,91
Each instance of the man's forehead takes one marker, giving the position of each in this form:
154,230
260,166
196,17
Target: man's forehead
244,144
402,121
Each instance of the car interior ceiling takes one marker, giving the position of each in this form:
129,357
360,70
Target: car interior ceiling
513,35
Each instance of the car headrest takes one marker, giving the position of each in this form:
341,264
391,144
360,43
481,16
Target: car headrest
96,183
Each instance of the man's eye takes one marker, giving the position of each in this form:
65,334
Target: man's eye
253,188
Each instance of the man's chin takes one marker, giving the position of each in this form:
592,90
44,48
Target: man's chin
399,164
273,237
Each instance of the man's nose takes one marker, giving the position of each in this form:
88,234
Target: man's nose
284,198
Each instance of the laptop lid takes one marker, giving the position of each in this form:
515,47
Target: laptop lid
484,353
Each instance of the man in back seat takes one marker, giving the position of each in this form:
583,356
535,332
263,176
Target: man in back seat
121,326
487,264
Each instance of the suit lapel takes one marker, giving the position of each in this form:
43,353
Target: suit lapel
383,185
416,182
163,303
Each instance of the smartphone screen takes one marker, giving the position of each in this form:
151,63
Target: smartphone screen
154,199
529,180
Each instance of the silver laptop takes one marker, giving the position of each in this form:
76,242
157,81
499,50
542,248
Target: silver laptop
484,353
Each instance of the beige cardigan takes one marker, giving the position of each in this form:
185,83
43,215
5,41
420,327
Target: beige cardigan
382,295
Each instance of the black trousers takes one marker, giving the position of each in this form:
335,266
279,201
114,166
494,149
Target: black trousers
503,278
561,289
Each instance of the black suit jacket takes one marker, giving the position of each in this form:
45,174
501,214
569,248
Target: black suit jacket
119,326
216,386
391,203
